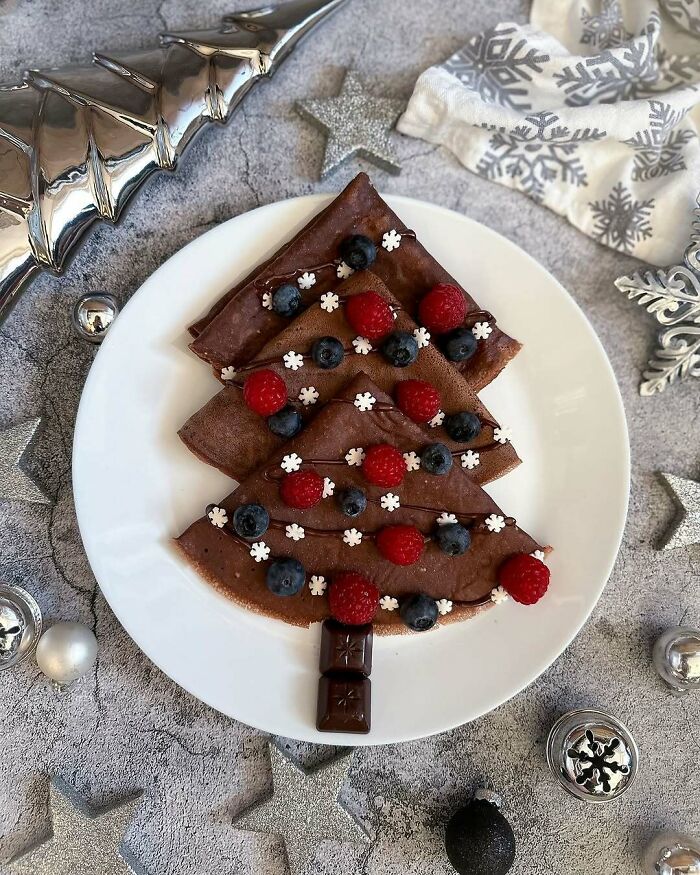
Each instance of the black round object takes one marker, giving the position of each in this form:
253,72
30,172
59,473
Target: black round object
462,427
286,422
358,252
250,521
285,577
400,349
458,345
352,501
286,301
479,840
327,353
453,539
419,612
436,459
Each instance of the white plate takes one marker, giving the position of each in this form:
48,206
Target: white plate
137,486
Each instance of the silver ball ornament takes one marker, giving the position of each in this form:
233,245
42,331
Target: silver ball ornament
672,853
20,625
66,652
676,658
93,314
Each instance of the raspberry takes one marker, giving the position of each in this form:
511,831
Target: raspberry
369,314
401,545
524,578
384,465
301,489
265,392
353,599
418,400
443,308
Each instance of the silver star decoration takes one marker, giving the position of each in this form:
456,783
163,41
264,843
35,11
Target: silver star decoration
303,810
686,531
672,296
14,483
357,123
81,841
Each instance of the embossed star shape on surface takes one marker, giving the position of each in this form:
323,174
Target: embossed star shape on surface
15,485
357,124
686,530
303,810
347,649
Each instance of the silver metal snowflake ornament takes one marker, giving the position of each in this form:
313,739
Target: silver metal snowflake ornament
672,296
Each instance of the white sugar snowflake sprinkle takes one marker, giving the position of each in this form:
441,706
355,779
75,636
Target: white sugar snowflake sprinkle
364,401
295,532
308,395
355,456
394,312
502,434
306,280
412,461
538,554
362,345
422,337
267,300
218,517
290,463
260,551
438,419
499,595
390,502
470,459
352,537
317,584
446,519
228,373
495,522
391,240
343,271
328,487
330,302
388,603
482,330
444,606
293,360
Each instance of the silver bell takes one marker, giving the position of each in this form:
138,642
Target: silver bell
20,625
672,853
92,316
676,658
592,755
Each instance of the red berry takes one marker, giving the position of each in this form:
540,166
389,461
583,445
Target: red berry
370,315
443,308
384,465
401,545
417,399
353,599
301,489
524,578
265,392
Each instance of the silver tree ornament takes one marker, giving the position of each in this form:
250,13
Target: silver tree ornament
672,296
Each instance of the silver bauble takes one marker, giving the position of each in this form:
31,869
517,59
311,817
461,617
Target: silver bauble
676,658
672,853
66,652
93,314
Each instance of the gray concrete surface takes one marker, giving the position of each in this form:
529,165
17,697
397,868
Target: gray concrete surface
129,727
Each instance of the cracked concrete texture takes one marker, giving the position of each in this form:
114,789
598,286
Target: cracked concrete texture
128,727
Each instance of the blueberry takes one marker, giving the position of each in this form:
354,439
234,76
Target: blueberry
285,577
327,353
462,427
436,459
250,520
352,501
400,349
358,252
286,422
453,539
286,301
419,612
458,345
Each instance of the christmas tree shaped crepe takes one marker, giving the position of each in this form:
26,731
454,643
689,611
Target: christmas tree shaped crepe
315,260
395,516
318,353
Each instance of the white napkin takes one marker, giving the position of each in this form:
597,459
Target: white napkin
592,109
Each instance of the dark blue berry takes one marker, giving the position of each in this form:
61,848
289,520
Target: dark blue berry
436,459
453,539
358,252
462,427
285,577
286,301
419,612
458,345
327,353
352,501
400,349
286,422
250,520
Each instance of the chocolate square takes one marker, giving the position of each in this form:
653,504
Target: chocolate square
343,704
346,648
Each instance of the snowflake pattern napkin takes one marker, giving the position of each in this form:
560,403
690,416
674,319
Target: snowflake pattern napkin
592,109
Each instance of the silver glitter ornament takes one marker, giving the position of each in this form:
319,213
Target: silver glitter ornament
303,810
672,853
676,658
82,842
592,755
15,485
92,316
672,296
66,652
20,625
686,530
357,123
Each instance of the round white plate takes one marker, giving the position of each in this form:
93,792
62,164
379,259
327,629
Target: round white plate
137,486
